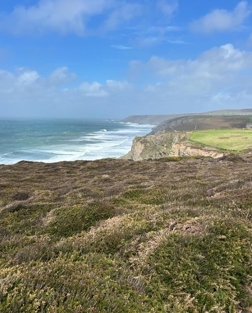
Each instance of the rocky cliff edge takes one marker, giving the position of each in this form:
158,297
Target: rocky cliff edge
165,144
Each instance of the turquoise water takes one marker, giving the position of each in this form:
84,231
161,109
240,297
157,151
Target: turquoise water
65,140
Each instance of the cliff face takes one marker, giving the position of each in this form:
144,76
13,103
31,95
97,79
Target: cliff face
167,144
170,138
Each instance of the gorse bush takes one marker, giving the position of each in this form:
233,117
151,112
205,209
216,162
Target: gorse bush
132,237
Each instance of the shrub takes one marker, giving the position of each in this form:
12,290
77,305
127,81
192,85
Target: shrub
69,221
212,269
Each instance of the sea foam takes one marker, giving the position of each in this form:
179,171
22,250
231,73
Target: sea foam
70,140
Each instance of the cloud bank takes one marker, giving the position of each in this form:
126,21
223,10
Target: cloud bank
219,78
64,16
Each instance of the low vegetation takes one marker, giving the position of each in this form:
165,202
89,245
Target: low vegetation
235,140
169,235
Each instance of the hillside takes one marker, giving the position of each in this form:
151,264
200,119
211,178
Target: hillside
170,235
202,122
157,119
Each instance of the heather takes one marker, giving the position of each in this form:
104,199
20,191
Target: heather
165,235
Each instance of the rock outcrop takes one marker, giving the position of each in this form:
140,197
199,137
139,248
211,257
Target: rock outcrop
166,144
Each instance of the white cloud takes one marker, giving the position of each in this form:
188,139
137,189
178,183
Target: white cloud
222,20
213,80
218,78
217,63
124,12
53,15
28,78
85,17
156,34
177,42
61,76
121,47
149,41
115,86
94,89
168,8
26,93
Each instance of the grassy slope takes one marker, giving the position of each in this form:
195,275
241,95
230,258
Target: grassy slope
171,235
226,139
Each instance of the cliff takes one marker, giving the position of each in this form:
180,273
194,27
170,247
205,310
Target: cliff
171,137
168,144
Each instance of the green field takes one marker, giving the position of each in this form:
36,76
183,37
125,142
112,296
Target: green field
225,139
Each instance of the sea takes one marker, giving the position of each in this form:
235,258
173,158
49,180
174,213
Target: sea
55,140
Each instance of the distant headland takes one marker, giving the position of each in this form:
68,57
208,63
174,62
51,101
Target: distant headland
172,134
157,119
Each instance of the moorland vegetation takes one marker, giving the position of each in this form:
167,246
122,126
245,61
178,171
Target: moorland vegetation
168,235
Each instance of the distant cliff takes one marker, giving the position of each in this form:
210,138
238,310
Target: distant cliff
158,119
150,119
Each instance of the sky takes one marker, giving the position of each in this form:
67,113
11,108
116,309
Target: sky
114,58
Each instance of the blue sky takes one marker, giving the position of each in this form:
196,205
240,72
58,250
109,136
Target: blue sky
114,58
